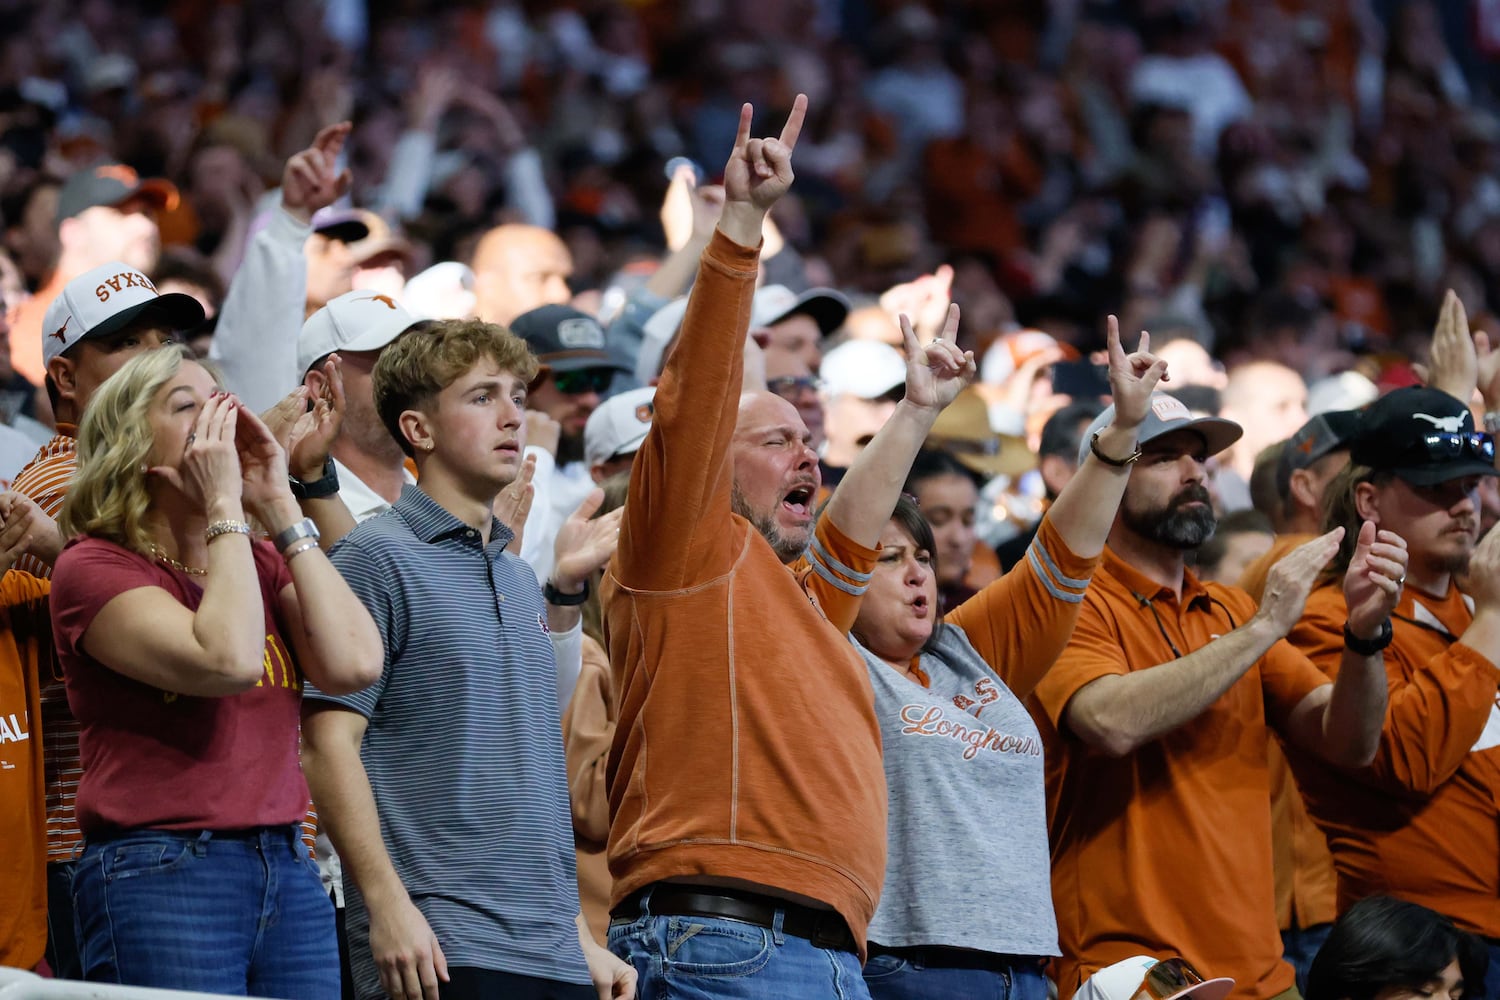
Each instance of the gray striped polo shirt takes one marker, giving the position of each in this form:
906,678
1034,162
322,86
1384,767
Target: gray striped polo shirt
464,746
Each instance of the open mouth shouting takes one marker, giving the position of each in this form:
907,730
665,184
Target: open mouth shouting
799,501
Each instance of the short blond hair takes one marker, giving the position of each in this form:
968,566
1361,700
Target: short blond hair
420,364
108,497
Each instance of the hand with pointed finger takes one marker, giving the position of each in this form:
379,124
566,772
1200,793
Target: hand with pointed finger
1372,584
937,373
312,179
1133,377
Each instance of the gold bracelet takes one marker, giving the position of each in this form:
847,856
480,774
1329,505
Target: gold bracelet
297,550
217,528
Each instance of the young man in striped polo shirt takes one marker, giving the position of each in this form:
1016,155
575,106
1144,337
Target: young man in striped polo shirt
443,785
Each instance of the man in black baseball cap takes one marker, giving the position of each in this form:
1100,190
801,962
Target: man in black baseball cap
104,213
576,370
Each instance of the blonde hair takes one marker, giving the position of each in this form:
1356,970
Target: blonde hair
420,364
108,497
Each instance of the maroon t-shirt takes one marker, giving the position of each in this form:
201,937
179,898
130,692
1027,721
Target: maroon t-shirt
158,759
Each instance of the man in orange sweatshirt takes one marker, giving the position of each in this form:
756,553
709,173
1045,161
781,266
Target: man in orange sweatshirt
747,797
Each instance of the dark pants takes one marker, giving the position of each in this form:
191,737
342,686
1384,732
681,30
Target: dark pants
1300,945
62,938
487,984
1492,976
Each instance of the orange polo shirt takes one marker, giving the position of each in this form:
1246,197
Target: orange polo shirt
1306,888
1420,822
1167,850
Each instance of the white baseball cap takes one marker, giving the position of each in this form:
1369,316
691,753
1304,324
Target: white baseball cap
865,368
360,320
1175,979
106,299
618,425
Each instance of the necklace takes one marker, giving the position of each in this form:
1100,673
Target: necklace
180,567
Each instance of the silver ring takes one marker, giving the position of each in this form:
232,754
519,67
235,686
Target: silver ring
191,437
1401,580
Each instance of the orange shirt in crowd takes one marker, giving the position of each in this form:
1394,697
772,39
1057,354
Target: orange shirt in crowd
26,330
588,729
1419,823
1167,850
25,658
747,746
1305,884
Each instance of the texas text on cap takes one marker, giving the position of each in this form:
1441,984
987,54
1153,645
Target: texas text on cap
111,184
618,426
1127,978
359,320
1424,436
865,368
828,307
1165,416
564,339
105,300
1327,432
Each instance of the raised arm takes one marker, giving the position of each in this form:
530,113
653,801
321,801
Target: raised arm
1120,713
935,374
256,338
676,525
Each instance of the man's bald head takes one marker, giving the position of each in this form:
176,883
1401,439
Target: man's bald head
519,268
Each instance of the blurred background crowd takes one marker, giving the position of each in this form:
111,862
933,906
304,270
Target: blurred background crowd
1278,190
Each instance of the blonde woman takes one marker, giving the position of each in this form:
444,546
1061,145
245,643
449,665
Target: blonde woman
184,642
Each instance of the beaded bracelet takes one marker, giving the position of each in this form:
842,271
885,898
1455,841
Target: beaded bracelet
217,528
297,550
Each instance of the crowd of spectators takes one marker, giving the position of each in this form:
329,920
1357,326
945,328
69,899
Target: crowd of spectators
1281,192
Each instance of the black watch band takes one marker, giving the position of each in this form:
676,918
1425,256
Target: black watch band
325,486
1368,647
557,597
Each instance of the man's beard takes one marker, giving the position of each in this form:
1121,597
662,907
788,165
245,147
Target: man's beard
788,550
1174,526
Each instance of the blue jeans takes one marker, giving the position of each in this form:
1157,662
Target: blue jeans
890,977
236,913
1492,974
710,958
1300,946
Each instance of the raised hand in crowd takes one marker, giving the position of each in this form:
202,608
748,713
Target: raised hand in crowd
584,543
1453,362
310,437
25,530
937,372
437,86
925,299
1293,578
312,178
758,174
1372,584
513,504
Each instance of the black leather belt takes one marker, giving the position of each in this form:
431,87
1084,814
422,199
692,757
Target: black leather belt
824,928
956,958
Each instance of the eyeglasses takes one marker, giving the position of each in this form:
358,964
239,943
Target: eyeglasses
1167,978
787,386
1440,446
576,383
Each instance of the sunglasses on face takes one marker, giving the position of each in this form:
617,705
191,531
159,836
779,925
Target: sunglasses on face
585,380
1440,446
787,386
1166,978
